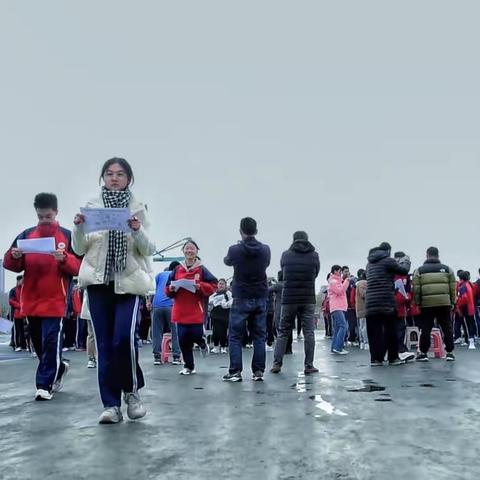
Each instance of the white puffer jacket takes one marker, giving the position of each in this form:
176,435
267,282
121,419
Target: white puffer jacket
138,276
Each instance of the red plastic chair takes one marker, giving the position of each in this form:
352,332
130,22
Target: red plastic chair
166,347
436,346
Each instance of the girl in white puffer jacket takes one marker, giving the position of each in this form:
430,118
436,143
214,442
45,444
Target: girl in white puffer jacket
116,270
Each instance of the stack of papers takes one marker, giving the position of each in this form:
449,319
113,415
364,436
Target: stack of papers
37,245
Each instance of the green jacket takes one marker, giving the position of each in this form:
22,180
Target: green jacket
434,285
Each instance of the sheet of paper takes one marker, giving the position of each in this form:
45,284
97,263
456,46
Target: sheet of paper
37,245
5,325
185,284
98,219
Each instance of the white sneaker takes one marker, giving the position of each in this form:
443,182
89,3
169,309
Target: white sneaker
362,345
135,409
224,350
186,371
269,348
471,344
249,345
18,349
58,384
42,394
111,415
406,356
340,352
366,347
216,350
176,361
458,341
92,363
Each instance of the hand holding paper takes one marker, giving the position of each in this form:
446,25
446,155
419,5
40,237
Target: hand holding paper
189,285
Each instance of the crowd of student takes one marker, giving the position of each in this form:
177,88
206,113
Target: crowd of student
94,293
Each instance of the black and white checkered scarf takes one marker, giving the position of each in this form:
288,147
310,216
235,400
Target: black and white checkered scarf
117,241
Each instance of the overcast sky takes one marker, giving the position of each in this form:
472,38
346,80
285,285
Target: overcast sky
357,121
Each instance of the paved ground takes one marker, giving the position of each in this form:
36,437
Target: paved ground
424,425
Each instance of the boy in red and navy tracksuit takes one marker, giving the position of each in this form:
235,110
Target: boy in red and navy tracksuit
45,292
189,308
19,341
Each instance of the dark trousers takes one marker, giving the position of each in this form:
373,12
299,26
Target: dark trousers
81,337
327,319
144,328
115,324
382,337
352,325
304,314
255,310
220,331
188,335
271,332
400,329
458,323
46,336
69,332
444,320
19,340
469,326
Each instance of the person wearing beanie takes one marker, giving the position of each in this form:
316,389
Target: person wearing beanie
250,260
300,266
189,305
434,287
402,299
162,318
380,303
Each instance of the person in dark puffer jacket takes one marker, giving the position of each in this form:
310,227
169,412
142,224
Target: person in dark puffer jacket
300,265
380,303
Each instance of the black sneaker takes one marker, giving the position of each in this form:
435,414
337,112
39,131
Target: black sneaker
232,377
376,363
257,376
422,357
396,362
450,357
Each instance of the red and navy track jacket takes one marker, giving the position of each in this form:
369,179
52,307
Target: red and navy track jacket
46,281
188,307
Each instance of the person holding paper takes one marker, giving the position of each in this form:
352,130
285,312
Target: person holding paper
45,291
116,270
189,307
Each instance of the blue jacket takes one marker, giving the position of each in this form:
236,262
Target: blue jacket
249,260
160,300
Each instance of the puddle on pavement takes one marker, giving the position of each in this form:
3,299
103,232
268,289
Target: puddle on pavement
367,388
326,407
302,384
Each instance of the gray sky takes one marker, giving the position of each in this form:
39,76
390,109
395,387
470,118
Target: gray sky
355,121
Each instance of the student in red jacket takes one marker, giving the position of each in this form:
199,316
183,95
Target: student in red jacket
189,307
45,292
466,307
19,342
